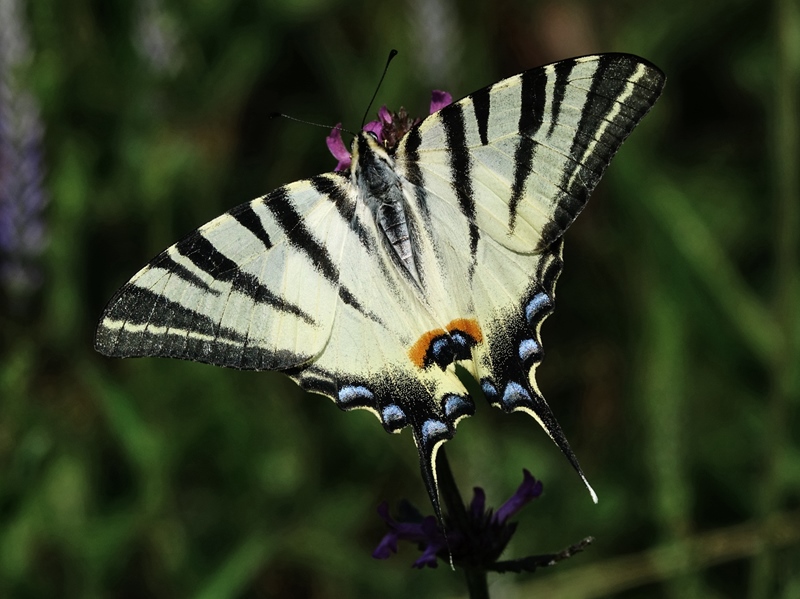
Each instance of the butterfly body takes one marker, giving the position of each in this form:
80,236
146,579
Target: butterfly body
369,286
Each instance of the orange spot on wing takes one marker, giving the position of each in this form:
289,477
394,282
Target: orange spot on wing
420,348
469,326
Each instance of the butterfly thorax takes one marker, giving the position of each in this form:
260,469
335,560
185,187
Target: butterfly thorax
374,175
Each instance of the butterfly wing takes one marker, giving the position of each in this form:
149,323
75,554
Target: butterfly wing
296,281
303,280
519,158
255,288
499,176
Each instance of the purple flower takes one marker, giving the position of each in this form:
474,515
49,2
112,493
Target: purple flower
338,149
478,541
423,531
529,490
22,198
389,129
439,100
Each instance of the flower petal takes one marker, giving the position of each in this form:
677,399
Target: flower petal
439,100
376,128
529,490
385,116
386,547
478,503
428,557
337,148
418,532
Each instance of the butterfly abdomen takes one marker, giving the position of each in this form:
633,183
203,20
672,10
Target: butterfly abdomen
382,191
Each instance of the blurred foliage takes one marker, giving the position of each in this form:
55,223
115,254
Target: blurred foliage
672,355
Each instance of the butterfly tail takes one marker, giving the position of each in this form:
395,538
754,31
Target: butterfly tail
535,405
429,437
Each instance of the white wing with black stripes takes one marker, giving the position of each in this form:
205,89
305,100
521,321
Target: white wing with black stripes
368,286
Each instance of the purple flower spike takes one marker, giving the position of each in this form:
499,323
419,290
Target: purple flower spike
439,100
529,490
23,198
337,148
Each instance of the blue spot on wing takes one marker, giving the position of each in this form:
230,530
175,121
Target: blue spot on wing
456,406
460,339
355,395
439,346
432,430
393,417
515,395
538,307
489,390
530,351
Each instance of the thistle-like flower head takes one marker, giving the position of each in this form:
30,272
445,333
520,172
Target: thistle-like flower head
478,542
388,129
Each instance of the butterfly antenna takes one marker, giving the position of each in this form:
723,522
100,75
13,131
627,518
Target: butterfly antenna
276,115
392,54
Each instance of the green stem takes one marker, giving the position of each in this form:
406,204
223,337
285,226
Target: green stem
477,583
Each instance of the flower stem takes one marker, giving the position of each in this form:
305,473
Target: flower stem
477,584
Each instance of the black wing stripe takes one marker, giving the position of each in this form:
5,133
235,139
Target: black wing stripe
280,204
248,218
166,262
188,335
533,95
563,70
346,208
136,305
348,298
299,236
412,142
604,124
609,80
481,104
461,169
205,256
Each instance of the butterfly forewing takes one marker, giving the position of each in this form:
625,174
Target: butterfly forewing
522,155
255,288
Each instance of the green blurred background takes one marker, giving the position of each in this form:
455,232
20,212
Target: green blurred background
671,357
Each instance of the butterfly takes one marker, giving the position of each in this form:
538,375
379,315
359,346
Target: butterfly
437,249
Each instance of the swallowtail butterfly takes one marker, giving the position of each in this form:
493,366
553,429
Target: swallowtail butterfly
443,248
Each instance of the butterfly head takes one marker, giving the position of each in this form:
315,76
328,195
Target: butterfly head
367,146
372,168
